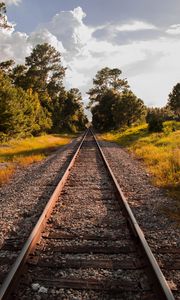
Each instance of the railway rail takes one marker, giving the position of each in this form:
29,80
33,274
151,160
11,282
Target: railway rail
87,243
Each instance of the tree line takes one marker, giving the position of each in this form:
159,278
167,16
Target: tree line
114,105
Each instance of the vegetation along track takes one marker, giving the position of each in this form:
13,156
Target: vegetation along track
87,243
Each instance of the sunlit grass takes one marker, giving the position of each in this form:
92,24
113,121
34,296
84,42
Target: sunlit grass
27,160
5,174
27,151
159,151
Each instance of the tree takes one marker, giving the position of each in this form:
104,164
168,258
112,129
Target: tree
102,113
156,116
45,73
111,101
107,85
174,99
3,19
106,79
155,119
18,75
70,114
21,112
128,109
7,66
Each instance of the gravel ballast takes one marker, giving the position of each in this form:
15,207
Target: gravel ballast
23,199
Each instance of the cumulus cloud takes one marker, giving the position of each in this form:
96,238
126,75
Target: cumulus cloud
68,27
11,2
147,55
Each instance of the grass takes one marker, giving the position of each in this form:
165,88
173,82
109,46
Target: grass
159,151
27,151
5,174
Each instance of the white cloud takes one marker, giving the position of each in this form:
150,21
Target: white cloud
14,45
151,65
121,34
135,26
11,2
174,29
44,36
69,28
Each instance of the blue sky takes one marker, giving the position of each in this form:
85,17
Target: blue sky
29,13
140,37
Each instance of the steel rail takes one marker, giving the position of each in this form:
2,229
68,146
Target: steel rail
160,283
16,270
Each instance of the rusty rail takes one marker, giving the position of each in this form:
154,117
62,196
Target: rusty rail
157,276
11,280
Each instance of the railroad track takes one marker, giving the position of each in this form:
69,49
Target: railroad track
87,243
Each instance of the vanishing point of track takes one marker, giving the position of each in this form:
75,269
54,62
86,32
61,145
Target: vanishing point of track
87,243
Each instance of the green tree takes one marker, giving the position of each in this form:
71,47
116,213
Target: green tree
155,119
18,75
156,116
102,112
106,79
45,73
111,101
20,112
71,116
174,99
128,109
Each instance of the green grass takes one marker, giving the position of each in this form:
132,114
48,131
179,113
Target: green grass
27,151
159,151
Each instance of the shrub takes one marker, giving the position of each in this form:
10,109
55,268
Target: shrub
170,126
155,120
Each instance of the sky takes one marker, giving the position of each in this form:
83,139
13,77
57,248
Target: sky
140,37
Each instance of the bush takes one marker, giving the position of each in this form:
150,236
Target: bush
170,126
155,120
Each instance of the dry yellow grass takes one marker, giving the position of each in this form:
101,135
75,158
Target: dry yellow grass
27,151
27,160
5,174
